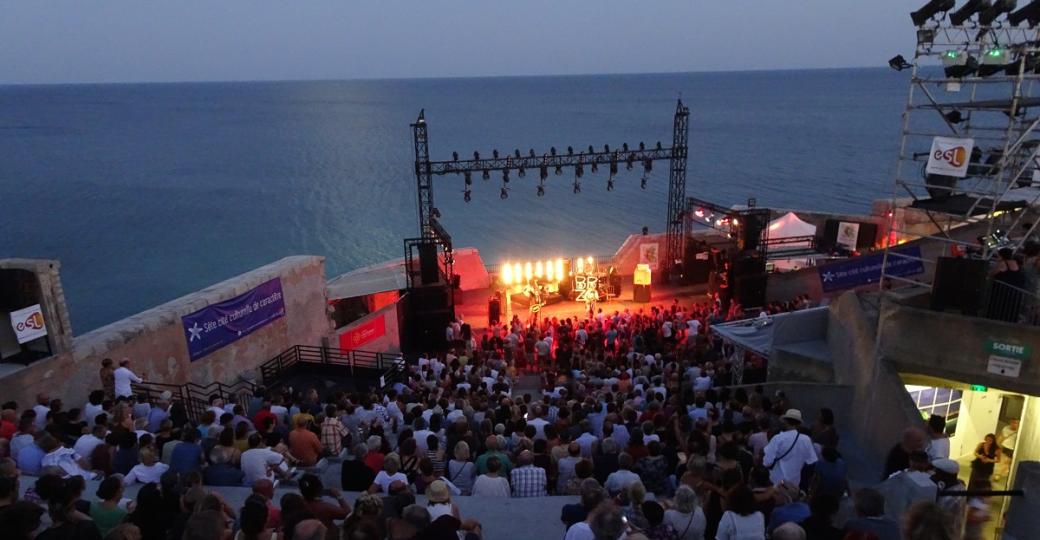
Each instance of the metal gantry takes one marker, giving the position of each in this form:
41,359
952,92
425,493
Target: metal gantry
576,161
968,81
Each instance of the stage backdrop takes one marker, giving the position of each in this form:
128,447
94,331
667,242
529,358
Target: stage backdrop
649,254
217,325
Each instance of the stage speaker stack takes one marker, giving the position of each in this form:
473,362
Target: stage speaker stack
959,284
751,233
428,271
427,313
697,263
748,276
494,311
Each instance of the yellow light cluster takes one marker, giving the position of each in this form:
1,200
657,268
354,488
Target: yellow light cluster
515,273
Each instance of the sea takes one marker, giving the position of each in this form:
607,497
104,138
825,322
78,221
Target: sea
146,192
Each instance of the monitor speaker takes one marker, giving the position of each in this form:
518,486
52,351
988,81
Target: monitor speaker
959,284
429,272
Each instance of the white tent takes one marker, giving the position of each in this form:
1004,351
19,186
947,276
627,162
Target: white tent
791,226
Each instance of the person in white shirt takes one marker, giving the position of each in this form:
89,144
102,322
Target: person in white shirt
788,451
538,422
260,462
93,407
41,409
148,471
65,458
124,377
693,327
216,404
491,484
391,473
587,440
86,444
940,445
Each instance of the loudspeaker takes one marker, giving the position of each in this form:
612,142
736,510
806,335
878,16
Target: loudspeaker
959,284
494,311
641,293
429,272
697,264
750,290
751,233
428,312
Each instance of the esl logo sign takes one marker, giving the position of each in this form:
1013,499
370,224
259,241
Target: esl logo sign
950,157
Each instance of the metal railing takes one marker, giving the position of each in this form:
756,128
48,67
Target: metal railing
195,397
1008,303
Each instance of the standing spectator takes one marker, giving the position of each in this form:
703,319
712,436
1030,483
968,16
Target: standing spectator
789,451
741,521
899,456
939,447
122,378
108,379
528,480
686,516
491,484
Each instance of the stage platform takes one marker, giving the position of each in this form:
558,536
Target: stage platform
473,306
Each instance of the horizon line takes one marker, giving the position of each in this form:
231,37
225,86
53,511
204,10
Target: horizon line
437,77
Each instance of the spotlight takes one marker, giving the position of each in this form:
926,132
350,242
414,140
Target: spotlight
1031,61
899,63
520,172
998,8
494,153
968,10
957,64
504,194
925,36
559,170
486,174
468,178
476,156
541,190
699,212
595,168
552,151
579,170
543,172
931,9
993,61
577,187
610,184
1029,13
570,151
454,156
466,195
659,147
954,117
642,183
505,176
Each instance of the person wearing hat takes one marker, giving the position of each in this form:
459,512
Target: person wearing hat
788,451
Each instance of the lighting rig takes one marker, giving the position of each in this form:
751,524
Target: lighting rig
572,159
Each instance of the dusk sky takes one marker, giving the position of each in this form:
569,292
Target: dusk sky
65,41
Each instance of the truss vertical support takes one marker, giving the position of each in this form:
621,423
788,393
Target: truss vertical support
423,175
677,189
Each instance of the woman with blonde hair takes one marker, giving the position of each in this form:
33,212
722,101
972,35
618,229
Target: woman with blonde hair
461,471
148,470
391,473
686,516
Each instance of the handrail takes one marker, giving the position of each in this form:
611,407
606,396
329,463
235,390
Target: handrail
1008,303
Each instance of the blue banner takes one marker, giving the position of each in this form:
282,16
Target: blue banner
867,269
215,326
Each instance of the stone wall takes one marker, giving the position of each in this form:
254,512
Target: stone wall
154,339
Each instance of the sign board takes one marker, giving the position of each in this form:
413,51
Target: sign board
1006,358
649,254
587,288
364,333
28,323
866,269
848,234
949,156
217,325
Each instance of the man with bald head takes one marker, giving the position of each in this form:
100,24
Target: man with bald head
528,480
899,457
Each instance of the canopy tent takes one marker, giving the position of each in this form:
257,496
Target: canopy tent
791,226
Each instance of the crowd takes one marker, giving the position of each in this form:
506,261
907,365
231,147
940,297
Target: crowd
636,416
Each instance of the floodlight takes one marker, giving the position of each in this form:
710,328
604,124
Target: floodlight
504,194
1030,61
577,187
968,10
1029,13
957,64
486,174
642,183
506,276
610,184
994,61
494,153
998,8
954,117
899,63
931,9
467,195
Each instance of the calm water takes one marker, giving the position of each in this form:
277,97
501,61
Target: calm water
147,192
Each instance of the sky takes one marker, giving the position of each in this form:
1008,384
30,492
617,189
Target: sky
104,41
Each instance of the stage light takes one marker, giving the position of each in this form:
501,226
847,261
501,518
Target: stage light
559,269
579,265
699,212
993,61
454,156
1029,13
899,63
504,194
925,36
954,117
541,190
531,153
539,270
579,170
466,195
590,264
505,176
507,274
543,172
516,153
998,8
736,222
527,270
552,151
610,184
630,161
1031,62
606,148
970,8
494,153
624,147
570,150
559,170
659,147
520,172
486,174
577,187
476,156
518,275
957,64
642,183
468,178
931,9
648,165
548,270
595,168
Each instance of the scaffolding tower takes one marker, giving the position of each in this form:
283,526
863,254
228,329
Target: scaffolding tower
968,152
